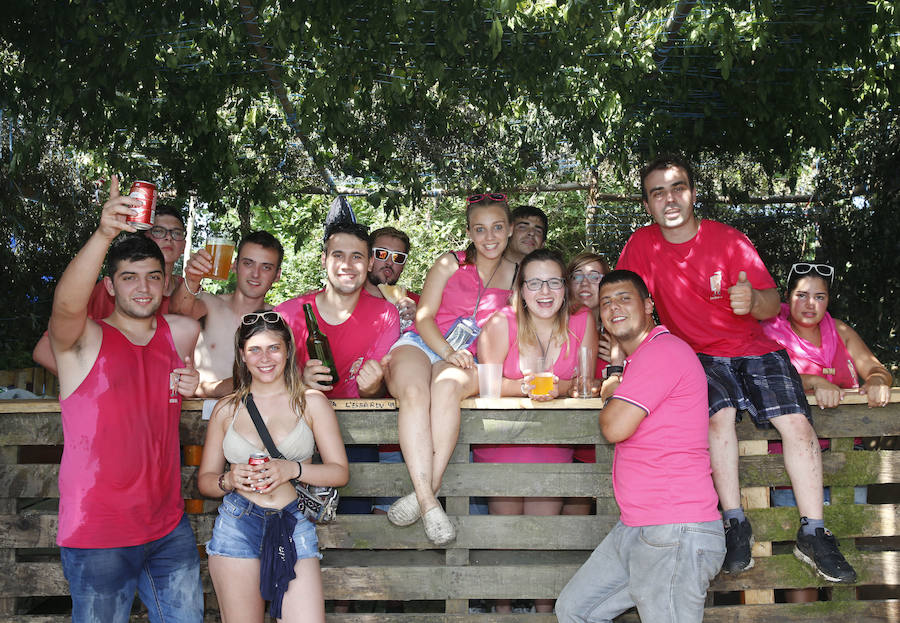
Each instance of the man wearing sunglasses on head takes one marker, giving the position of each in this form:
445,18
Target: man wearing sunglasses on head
168,233
390,250
711,289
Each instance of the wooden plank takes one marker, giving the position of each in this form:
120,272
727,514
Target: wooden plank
756,497
827,612
481,582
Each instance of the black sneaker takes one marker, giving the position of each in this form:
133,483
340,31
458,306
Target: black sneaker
738,540
820,551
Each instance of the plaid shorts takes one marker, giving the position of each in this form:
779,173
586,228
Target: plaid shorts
765,386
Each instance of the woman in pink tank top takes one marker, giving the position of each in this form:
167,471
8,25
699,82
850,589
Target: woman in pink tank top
535,334
431,369
829,355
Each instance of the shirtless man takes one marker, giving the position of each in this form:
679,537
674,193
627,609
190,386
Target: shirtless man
258,266
122,526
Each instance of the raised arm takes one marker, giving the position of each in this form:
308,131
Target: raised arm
69,316
761,304
187,299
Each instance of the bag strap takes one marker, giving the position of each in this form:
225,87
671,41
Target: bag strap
261,428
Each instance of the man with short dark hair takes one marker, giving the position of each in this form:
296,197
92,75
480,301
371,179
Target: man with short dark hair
390,250
168,233
669,542
122,525
529,232
360,328
711,289
257,266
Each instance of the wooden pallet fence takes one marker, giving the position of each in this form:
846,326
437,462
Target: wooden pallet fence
366,558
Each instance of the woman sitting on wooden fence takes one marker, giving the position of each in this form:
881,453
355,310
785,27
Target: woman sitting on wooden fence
432,368
535,334
260,511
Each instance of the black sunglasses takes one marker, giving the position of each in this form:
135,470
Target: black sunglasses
398,257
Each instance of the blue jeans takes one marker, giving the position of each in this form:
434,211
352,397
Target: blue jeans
663,570
165,573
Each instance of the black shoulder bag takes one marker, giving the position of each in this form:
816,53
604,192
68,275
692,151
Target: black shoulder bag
318,504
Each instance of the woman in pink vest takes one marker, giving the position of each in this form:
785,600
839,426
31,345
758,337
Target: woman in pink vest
535,333
829,355
432,368
831,359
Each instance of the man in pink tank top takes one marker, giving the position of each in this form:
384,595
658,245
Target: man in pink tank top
122,526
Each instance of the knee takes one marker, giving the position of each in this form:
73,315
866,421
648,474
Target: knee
794,427
411,395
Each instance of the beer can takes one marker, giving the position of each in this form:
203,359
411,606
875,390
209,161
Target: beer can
146,212
258,458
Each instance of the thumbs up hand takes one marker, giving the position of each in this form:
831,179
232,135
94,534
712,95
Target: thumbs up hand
741,295
185,380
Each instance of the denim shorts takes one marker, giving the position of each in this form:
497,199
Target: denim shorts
765,386
411,338
239,529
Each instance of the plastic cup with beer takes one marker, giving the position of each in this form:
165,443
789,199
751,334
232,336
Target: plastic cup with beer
220,249
543,379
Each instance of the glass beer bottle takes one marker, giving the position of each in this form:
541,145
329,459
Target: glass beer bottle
317,343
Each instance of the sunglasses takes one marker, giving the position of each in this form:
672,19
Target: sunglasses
160,232
593,277
397,257
498,197
554,283
270,317
803,268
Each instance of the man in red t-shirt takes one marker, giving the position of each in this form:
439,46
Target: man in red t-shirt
711,289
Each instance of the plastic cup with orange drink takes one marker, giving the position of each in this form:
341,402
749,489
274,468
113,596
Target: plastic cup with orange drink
221,250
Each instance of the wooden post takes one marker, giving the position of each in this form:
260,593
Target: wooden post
8,455
757,497
457,556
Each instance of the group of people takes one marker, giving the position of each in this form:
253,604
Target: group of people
672,392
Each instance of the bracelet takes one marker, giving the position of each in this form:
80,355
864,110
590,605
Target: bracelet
199,288
300,470
222,478
524,389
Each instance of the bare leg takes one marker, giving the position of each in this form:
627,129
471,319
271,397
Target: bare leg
409,382
576,506
449,386
802,461
304,601
723,455
236,581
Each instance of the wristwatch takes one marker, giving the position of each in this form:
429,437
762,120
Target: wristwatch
610,370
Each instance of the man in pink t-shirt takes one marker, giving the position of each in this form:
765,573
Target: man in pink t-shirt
669,542
712,289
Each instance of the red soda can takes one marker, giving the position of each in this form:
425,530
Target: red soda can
258,458
146,212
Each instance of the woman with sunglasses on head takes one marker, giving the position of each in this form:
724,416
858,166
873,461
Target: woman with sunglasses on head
260,509
432,368
536,327
831,359
829,355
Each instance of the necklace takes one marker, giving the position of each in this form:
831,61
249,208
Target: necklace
542,362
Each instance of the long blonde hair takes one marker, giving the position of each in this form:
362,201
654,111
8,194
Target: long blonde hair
292,379
527,333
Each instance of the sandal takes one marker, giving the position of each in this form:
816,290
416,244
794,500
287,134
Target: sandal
405,511
438,528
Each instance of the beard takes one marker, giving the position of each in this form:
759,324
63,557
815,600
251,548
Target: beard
376,278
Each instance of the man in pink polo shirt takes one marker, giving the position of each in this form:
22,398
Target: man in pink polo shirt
669,542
